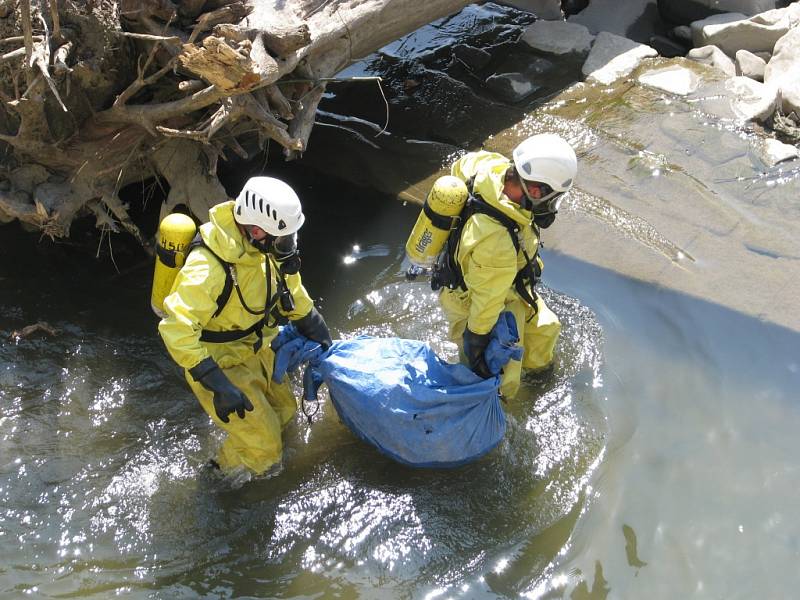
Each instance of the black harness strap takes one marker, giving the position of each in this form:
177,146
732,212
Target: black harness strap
439,221
167,256
221,337
227,287
527,274
526,277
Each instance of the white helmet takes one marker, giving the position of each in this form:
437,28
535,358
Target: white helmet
546,158
270,204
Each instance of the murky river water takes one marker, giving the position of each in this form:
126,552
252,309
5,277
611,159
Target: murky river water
657,460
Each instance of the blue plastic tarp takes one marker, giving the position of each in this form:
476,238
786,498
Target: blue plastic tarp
399,396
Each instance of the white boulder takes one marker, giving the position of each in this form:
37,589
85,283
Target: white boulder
785,61
558,37
750,65
756,34
613,57
751,100
771,151
674,79
783,70
790,97
713,56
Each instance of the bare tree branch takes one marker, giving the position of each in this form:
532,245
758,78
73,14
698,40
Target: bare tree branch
302,124
115,205
170,39
60,58
27,31
42,58
142,81
232,13
207,79
191,85
190,134
56,20
287,39
19,38
18,53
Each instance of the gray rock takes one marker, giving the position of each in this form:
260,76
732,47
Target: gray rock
573,7
613,57
666,47
511,87
686,11
474,58
750,65
633,19
544,9
684,33
713,56
747,7
558,37
516,86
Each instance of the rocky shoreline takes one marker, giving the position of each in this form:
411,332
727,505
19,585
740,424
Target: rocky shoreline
754,44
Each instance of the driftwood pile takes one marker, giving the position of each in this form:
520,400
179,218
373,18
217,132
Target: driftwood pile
98,94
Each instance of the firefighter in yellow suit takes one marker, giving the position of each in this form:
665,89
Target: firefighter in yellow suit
249,245
527,190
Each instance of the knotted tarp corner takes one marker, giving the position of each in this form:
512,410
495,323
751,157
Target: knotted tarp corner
399,396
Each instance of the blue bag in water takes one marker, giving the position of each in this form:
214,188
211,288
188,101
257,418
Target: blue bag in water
399,396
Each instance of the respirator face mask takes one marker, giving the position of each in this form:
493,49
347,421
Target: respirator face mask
284,249
548,201
280,247
284,246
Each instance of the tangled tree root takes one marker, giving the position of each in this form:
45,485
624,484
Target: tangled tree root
97,95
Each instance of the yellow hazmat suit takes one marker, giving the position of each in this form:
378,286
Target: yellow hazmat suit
489,263
255,441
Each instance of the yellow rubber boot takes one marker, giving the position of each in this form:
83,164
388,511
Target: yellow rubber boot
255,441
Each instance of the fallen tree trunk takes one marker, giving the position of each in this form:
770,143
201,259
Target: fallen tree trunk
95,96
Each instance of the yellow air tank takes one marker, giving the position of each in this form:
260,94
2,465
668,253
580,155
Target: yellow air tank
445,201
174,235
